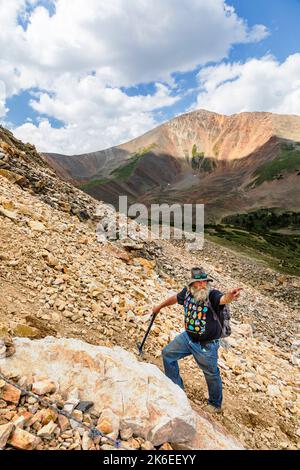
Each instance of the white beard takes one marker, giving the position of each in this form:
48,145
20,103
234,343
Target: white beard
199,294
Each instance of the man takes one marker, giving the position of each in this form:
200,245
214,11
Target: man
201,335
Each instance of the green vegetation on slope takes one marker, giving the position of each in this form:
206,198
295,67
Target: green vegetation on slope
288,160
200,162
254,234
123,172
93,183
264,219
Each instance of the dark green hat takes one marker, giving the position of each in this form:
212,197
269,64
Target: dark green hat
198,274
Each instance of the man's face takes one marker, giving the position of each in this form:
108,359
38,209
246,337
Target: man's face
200,284
199,290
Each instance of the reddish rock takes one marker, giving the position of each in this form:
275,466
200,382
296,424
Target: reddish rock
19,421
46,415
133,443
87,442
166,446
5,432
148,446
23,440
44,386
108,422
47,431
27,416
63,422
10,394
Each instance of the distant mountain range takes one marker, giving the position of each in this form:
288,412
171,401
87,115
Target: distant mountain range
232,164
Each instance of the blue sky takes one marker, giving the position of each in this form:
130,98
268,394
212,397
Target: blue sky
282,19
80,79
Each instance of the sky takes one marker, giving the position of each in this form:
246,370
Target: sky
79,76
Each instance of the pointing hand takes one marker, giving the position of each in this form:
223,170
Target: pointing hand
235,293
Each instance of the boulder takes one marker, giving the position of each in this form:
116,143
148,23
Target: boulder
209,436
6,344
25,331
13,177
243,329
45,415
5,432
19,421
273,391
166,446
43,386
138,393
109,423
147,445
87,442
126,434
10,394
63,422
84,406
36,226
9,214
46,432
23,440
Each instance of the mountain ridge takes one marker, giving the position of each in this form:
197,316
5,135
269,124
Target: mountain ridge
198,157
199,112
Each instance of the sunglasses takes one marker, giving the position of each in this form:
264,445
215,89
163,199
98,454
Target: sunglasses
202,276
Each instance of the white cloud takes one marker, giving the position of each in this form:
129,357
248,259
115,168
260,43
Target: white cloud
256,85
83,54
126,42
96,117
3,108
77,100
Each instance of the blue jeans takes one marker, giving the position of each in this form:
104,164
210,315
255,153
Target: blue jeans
206,358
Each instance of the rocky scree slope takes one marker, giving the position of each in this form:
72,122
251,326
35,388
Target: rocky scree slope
59,281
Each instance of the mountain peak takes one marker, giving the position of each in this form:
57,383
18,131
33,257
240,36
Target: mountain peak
217,135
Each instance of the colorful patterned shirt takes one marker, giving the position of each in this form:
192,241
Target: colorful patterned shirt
198,317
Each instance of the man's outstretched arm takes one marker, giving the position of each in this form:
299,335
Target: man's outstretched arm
166,303
231,295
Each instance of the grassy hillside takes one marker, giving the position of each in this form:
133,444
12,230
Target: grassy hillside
287,161
93,183
200,162
122,173
262,219
258,234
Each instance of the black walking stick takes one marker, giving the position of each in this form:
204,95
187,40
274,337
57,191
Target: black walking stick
140,345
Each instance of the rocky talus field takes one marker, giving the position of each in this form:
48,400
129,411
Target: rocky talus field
73,308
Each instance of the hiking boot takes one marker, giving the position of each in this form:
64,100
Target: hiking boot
212,409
